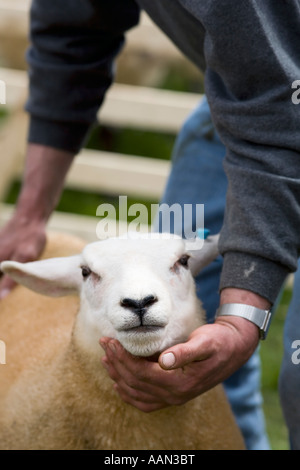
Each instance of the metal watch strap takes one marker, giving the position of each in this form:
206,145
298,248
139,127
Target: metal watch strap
259,317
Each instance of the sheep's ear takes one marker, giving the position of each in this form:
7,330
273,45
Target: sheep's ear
202,252
55,277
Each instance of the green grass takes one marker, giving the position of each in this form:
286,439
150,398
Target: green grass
271,354
3,114
132,142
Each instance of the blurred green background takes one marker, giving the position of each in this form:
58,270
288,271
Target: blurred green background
271,353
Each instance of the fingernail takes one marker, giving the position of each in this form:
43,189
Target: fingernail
4,293
168,360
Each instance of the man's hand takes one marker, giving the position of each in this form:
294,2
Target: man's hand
24,237
20,240
211,355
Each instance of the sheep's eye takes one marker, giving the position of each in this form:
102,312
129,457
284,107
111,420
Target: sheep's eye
184,260
85,271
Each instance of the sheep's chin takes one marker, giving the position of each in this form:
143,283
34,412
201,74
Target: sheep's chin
143,344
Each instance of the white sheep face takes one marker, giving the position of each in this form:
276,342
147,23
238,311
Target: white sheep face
138,290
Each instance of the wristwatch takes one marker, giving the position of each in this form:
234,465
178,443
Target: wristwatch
259,317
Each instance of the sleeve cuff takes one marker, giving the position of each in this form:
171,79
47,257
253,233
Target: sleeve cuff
253,273
61,135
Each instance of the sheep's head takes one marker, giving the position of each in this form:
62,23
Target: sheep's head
138,290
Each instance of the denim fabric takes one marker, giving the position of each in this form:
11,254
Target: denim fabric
197,177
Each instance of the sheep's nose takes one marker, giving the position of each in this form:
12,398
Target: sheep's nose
139,306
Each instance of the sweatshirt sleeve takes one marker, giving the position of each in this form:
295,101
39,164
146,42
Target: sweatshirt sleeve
252,56
71,57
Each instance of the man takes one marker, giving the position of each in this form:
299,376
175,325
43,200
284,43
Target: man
249,52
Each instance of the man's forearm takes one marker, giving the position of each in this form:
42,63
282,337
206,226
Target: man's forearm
45,172
241,296
24,237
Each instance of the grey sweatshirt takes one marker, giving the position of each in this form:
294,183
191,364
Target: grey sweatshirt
249,51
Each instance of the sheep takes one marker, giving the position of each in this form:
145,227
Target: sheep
55,392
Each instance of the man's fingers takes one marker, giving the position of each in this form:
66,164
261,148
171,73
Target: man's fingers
145,406
6,283
133,395
21,247
6,286
140,383
132,370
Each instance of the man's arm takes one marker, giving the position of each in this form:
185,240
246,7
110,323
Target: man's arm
71,61
251,64
24,237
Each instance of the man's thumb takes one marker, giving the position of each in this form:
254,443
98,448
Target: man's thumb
182,354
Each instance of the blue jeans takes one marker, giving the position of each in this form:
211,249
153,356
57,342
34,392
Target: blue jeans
197,177
289,380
